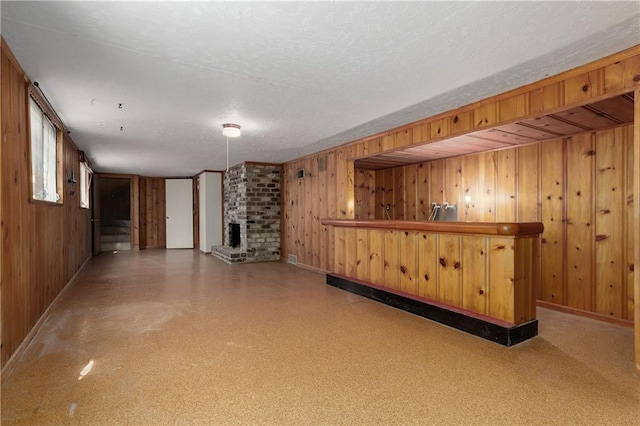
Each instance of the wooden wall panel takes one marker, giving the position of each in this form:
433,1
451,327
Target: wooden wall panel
485,115
388,187
351,153
398,203
372,146
314,212
411,193
636,222
421,133
474,274
385,194
330,178
388,142
630,225
403,138
361,249
428,266
552,216
580,222
485,203
452,186
513,107
423,195
365,194
440,128
584,86
340,263
449,272
610,264
323,258
287,213
436,182
528,192
153,230
462,122
408,242
526,274
546,98
351,252
43,245
470,188
506,185
307,240
376,257
501,280
299,230
378,210
342,181
391,260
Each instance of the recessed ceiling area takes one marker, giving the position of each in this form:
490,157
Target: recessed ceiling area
599,115
299,77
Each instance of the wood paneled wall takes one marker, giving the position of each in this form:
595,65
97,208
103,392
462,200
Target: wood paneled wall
493,180
152,213
331,187
580,188
43,245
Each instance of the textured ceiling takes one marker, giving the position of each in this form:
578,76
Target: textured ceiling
297,76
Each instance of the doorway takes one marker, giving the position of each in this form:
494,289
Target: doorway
115,213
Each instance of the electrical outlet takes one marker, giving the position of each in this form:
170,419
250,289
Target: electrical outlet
387,207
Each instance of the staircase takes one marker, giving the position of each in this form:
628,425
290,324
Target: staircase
116,235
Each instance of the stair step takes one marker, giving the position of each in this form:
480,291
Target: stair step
115,246
115,238
115,230
120,222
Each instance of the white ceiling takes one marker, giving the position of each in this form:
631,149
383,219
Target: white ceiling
297,76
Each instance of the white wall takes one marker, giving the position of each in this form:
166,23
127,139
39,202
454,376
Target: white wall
210,210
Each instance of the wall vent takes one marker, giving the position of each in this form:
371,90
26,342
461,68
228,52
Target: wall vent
293,259
322,164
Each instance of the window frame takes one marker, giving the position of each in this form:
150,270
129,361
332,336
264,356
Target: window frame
47,113
84,183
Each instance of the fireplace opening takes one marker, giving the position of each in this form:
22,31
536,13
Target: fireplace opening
234,235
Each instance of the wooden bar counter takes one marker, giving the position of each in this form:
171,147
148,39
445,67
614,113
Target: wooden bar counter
485,273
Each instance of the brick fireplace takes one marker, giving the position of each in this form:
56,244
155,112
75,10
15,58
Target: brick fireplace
252,212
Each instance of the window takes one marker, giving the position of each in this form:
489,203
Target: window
44,156
85,183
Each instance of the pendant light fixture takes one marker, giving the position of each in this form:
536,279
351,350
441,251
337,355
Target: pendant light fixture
230,130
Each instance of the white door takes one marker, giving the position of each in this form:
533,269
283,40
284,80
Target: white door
179,198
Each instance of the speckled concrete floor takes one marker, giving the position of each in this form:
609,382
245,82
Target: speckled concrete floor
175,337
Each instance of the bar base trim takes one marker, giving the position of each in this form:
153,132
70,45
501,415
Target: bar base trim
496,331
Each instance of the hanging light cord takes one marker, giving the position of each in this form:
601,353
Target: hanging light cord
227,154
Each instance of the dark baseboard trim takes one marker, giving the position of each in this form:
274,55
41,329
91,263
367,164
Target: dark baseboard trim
496,331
